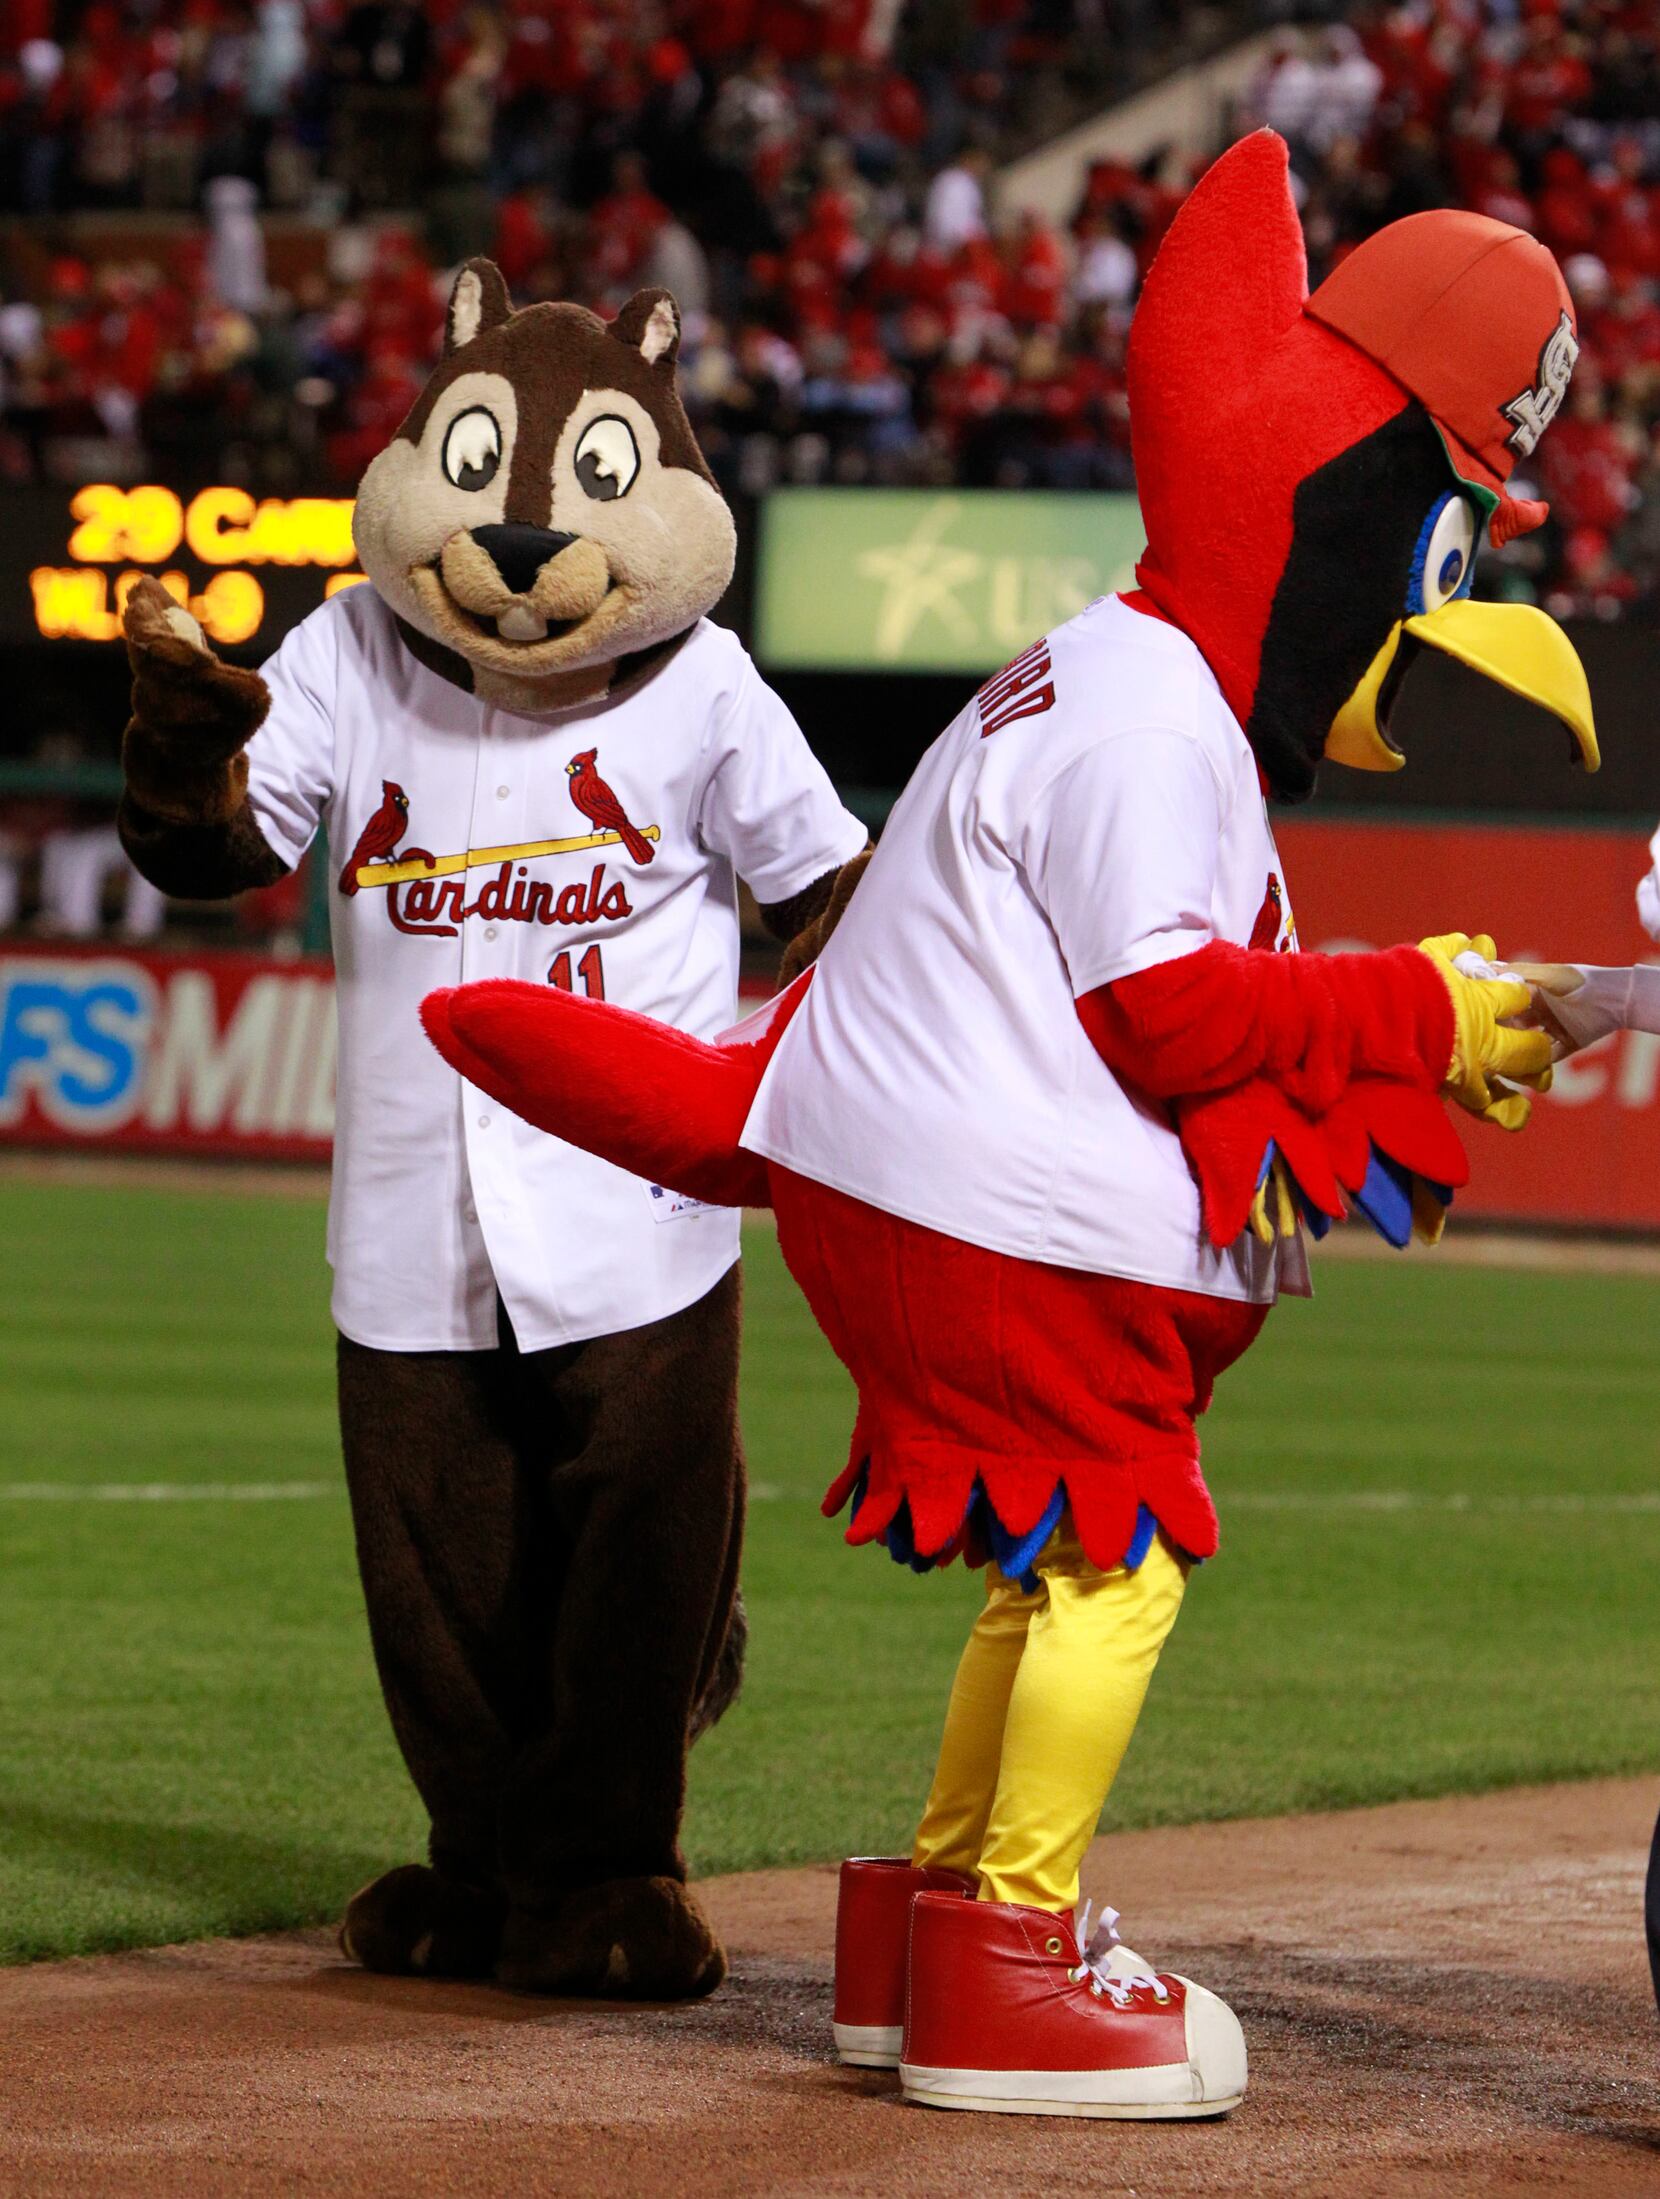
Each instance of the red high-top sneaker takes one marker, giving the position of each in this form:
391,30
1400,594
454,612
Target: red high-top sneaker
1004,2014
873,1926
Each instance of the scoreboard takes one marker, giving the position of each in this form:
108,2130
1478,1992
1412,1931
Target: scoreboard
248,567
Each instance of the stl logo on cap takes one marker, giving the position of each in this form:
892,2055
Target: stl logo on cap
1534,410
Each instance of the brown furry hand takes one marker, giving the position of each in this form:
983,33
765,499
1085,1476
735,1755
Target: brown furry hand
809,942
182,693
192,715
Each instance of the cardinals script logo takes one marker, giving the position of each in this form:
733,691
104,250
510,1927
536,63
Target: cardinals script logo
428,893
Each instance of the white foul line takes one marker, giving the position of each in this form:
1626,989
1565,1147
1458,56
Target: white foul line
1640,1501
1417,1500
163,1492
1373,1500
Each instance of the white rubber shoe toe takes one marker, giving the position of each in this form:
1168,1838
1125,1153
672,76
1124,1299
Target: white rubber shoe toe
1215,2047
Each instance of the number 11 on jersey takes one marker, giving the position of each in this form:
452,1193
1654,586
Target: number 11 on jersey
591,970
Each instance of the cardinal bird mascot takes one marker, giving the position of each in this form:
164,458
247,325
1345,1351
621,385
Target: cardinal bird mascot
1048,1121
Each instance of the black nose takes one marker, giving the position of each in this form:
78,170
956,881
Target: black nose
519,553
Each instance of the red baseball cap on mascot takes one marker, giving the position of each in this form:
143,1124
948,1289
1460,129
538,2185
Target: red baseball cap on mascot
1316,473
1460,309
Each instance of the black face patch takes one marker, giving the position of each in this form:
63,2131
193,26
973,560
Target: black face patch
1355,527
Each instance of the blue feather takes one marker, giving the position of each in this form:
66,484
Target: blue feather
1385,1198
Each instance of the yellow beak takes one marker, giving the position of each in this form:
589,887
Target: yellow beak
1511,643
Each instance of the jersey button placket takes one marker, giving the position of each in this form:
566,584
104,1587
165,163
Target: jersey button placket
485,828
484,1145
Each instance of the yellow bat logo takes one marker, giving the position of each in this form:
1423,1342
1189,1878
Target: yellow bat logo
445,866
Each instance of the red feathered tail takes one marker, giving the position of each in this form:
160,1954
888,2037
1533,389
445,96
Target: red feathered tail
638,1093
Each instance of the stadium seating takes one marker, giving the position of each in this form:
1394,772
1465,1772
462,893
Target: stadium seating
236,221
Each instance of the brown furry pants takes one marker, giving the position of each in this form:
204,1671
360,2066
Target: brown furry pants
549,1547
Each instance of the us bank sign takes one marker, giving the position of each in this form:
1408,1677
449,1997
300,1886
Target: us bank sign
917,581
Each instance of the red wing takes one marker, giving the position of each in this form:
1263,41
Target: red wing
599,803
641,1094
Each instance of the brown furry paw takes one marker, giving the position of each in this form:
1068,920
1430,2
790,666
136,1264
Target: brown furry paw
192,713
626,1939
413,1922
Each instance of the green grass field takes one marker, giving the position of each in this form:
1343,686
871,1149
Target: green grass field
1440,1494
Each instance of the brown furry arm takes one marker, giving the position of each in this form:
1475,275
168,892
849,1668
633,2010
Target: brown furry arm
184,819
785,918
808,918
199,862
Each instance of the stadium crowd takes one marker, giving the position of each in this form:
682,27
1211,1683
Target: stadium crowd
815,181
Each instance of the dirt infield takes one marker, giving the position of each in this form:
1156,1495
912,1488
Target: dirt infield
1440,1998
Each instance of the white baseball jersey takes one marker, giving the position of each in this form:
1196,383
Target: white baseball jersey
598,851
1093,812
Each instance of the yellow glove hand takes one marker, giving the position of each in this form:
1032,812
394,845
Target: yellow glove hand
1274,1210
1482,1048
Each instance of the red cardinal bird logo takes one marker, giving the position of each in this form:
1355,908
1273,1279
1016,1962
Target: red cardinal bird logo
380,836
1265,932
595,799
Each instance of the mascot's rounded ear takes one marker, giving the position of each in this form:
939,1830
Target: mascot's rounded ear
650,324
478,301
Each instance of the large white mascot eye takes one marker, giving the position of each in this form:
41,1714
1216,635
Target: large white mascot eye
1446,552
607,458
472,448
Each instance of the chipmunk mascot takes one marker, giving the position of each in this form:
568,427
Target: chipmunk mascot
1047,1120
534,758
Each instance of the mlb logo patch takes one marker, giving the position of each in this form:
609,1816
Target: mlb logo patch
674,1206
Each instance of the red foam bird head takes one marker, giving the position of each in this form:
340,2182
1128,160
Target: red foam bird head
1316,473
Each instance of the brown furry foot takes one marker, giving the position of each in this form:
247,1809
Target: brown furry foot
413,1922
626,1939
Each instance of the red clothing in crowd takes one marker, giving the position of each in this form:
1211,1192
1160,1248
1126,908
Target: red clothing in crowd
1586,468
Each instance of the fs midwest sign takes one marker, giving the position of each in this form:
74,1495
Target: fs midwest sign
217,552
234,1054
909,580
126,1051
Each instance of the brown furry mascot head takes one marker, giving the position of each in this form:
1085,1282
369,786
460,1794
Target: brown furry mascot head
543,523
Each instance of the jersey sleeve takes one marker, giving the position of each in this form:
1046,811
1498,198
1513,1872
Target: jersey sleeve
1608,1000
766,803
1642,999
291,757
1120,852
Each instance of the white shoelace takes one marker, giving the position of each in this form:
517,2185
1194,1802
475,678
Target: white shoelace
1095,1951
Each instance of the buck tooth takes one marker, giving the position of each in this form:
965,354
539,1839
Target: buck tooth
518,624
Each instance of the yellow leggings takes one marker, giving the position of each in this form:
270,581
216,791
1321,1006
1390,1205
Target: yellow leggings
1044,1703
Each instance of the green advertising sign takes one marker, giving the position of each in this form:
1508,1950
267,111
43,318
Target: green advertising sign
923,580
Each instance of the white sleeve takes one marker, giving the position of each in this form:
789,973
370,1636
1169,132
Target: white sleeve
291,757
767,804
1648,892
1610,1000
1120,852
